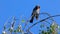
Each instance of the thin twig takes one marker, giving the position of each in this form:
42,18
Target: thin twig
48,15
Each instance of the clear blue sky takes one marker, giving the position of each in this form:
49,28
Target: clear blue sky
17,8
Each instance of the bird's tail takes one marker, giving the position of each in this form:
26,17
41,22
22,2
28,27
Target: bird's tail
31,21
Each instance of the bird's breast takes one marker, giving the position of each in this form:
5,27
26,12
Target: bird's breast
38,11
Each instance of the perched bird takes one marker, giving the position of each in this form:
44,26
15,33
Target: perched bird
35,13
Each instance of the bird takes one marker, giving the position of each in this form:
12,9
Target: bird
35,13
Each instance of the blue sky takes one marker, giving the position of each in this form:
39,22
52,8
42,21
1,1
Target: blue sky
18,8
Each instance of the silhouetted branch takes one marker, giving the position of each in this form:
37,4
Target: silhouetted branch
41,21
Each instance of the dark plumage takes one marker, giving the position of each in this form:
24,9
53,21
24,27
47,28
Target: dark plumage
35,13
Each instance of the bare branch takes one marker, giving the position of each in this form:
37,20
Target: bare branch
42,21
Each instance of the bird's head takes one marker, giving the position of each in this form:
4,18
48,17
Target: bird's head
37,7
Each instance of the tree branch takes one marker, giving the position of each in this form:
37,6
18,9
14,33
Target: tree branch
41,21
